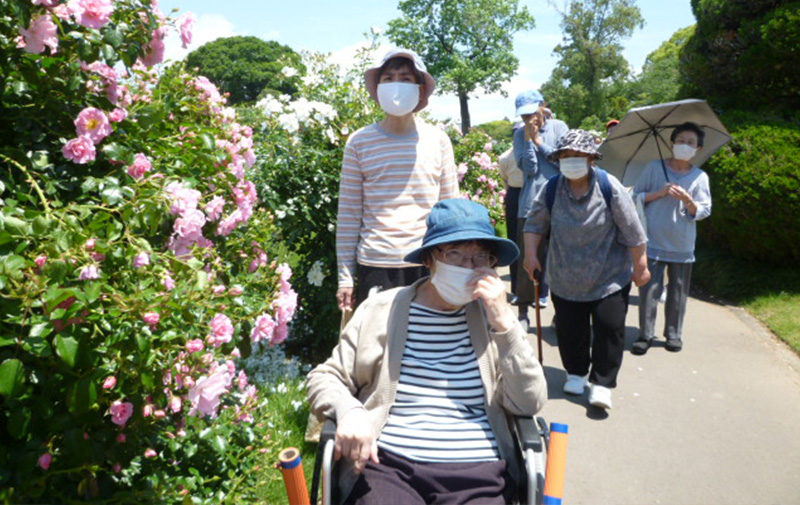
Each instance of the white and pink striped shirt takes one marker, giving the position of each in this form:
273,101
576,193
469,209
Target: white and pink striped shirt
388,187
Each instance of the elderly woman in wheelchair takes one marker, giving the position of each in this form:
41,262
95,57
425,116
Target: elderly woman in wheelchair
424,377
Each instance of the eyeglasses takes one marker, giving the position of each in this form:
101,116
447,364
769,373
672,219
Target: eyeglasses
458,258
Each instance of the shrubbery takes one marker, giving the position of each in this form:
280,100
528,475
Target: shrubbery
755,187
133,265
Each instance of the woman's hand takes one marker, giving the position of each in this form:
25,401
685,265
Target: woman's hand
488,287
531,264
354,440
345,298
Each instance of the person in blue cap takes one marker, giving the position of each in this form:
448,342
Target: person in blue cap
533,144
424,376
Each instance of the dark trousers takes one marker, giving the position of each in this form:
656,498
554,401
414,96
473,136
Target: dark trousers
526,291
380,278
399,480
575,323
512,207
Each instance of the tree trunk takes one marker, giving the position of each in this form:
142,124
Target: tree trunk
465,124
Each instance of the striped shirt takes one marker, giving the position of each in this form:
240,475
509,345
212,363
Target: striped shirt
388,186
439,412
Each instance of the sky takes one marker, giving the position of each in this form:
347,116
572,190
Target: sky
338,27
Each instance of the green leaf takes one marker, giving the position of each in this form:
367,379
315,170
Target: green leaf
220,444
202,280
208,141
147,380
12,378
108,52
40,330
16,226
40,225
13,266
117,152
93,291
67,349
83,396
39,159
114,37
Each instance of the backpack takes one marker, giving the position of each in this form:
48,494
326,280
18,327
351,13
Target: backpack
552,185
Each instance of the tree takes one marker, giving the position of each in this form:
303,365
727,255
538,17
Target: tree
467,44
247,66
590,56
742,54
660,80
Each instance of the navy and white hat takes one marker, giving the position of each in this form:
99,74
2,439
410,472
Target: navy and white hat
458,220
576,140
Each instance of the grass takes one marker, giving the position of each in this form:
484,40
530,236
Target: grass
771,293
287,415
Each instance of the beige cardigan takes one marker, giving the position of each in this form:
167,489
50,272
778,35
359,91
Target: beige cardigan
365,367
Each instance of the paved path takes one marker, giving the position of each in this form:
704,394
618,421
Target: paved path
718,423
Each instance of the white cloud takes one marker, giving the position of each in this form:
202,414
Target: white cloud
208,27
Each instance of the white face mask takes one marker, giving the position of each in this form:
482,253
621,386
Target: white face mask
451,283
398,98
574,168
683,152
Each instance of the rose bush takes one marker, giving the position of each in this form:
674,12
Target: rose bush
136,267
476,155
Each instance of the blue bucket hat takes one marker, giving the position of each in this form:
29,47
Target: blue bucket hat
528,102
457,220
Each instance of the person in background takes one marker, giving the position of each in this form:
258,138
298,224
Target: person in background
611,126
532,146
393,173
424,377
676,195
513,181
596,241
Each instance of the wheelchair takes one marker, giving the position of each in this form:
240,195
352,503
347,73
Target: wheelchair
531,434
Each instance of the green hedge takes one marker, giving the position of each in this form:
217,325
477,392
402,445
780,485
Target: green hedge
755,187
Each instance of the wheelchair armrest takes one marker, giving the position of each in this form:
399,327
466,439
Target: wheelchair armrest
328,431
528,433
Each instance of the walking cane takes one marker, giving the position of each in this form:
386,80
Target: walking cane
536,276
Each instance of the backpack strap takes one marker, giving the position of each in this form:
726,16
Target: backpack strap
602,179
605,186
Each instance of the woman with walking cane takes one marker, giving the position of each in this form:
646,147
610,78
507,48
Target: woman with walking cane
597,245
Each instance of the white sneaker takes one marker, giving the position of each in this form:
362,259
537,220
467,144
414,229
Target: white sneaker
599,396
575,384
543,302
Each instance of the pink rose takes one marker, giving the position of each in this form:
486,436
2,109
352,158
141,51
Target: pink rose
264,329
45,460
92,13
195,345
147,410
175,404
110,382
214,208
42,32
222,329
219,289
116,467
204,396
151,318
40,260
150,453
90,244
80,150
121,438
121,412
89,273
169,283
142,259
117,115
141,165
94,124
189,226
155,49
159,414
236,290
186,24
